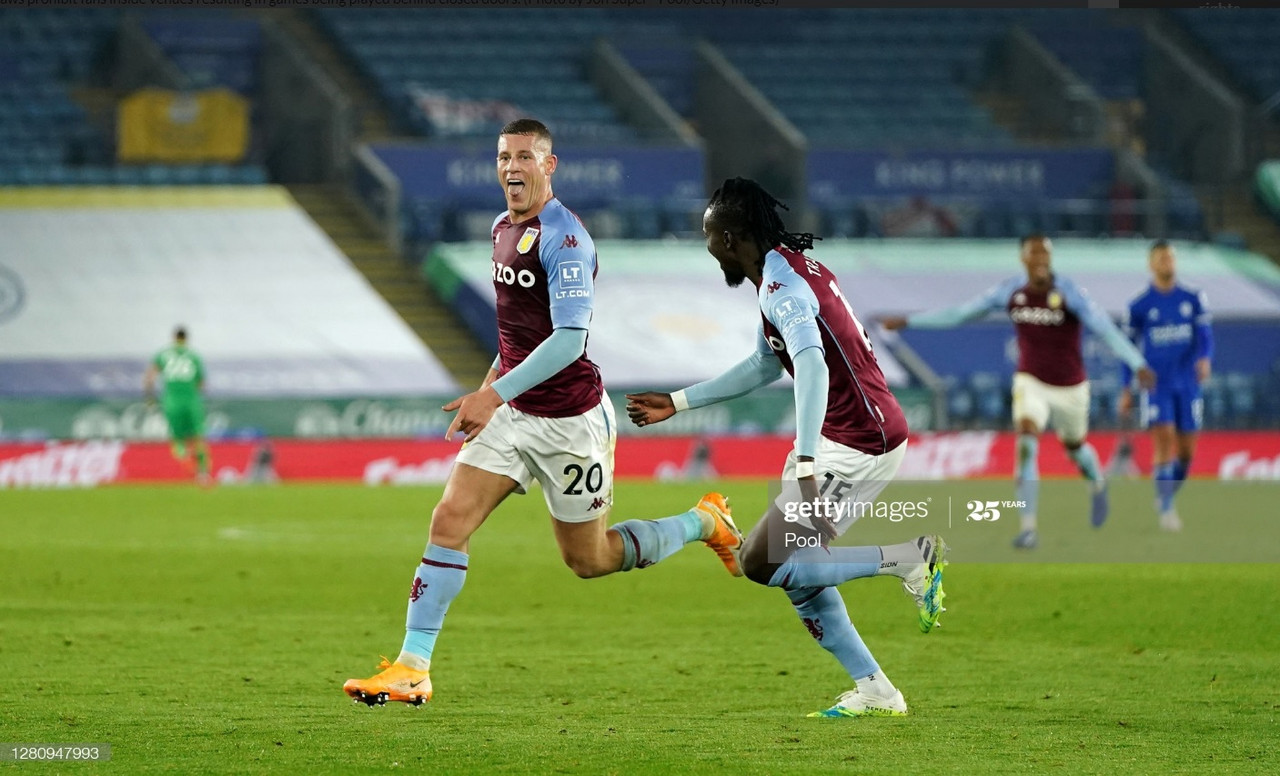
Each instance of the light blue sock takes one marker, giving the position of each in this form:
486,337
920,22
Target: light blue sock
1166,476
1086,459
645,542
439,578
826,567
1180,469
823,613
1028,473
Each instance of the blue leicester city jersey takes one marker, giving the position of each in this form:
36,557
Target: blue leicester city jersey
1172,331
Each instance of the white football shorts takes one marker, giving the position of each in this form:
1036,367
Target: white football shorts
1065,408
571,458
857,478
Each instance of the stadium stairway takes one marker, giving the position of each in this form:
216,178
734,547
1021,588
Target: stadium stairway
1010,112
100,104
412,299
1241,214
301,26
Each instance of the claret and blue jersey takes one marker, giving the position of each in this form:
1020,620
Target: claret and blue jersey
1172,330
544,272
1047,323
801,307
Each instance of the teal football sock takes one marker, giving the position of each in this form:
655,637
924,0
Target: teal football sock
437,583
1028,476
826,567
645,542
823,613
1086,459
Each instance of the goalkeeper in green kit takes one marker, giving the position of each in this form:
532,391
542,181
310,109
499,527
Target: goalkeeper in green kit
183,374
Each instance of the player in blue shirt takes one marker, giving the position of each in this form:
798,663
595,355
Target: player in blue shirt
1170,325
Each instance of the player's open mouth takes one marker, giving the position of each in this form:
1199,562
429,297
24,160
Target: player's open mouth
514,187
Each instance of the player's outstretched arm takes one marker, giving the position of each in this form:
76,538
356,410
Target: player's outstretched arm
1132,323
753,372
1098,322
993,300
757,370
649,407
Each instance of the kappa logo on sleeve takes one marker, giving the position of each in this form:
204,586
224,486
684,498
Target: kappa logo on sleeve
570,241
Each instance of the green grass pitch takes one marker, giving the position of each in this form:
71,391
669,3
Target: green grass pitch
211,632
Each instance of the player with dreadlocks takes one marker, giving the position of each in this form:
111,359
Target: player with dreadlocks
851,437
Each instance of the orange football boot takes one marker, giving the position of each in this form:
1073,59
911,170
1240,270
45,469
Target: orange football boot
396,682
725,538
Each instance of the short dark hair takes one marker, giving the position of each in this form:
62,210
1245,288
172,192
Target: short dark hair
744,206
527,127
1026,238
1158,245
180,333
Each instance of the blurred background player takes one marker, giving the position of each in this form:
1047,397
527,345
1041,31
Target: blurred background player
1170,324
1050,385
849,429
1122,463
541,413
182,372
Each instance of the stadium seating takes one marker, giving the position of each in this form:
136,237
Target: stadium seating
41,52
902,75
46,138
990,396
847,78
1232,400
876,77
667,62
960,403
1105,56
1245,40
211,49
460,62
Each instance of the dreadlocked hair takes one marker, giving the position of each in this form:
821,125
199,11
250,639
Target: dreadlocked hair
744,206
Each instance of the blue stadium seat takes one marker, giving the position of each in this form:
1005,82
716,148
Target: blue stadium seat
127,175
644,219
1216,406
93,175
1242,398
989,392
250,175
